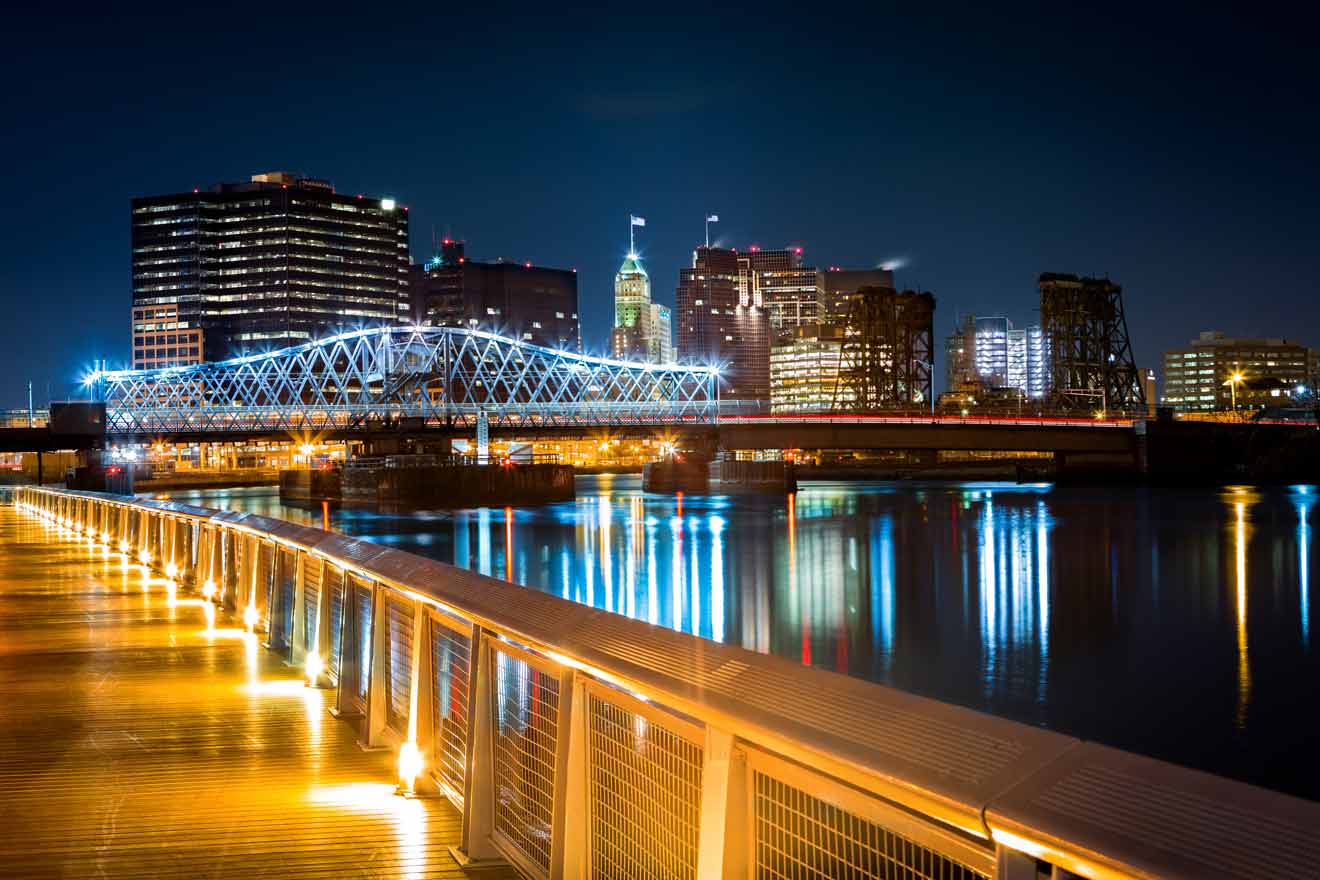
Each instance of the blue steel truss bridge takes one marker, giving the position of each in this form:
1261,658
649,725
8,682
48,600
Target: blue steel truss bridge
422,377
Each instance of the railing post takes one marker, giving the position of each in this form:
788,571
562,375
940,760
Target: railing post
477,841
569,853
421,695
724,843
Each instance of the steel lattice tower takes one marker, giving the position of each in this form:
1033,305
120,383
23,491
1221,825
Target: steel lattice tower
1088,347
885,359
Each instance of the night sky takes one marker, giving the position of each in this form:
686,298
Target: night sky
1174,150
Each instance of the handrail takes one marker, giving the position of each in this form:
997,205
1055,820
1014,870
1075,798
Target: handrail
989,795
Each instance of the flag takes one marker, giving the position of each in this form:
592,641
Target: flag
713,218
637,221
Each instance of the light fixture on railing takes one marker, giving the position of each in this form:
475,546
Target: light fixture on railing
123,546
208,590
410,766
250,617
171,570
314,666
144,557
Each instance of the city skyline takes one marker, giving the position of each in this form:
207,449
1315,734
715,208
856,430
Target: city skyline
1184,177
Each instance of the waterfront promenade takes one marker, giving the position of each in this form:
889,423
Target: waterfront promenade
136,741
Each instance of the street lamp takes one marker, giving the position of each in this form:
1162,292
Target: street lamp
1232,382
930,366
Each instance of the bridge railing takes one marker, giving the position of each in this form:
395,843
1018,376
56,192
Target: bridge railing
577,743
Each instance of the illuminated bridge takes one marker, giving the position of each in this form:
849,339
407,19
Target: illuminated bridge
424,377
185,691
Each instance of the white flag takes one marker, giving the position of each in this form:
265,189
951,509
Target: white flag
637,221
713,218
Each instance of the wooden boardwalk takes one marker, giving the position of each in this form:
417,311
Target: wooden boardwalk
135,742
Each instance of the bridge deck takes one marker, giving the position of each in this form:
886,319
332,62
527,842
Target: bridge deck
134,744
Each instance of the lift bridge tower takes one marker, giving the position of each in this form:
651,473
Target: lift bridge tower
1086,336
885,360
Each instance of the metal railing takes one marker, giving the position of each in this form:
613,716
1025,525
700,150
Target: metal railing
579,743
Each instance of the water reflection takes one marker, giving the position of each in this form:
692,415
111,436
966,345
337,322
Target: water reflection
1171,622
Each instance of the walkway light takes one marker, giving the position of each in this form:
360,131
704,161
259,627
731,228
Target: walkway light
410,766
123,546
313,667
250,617
208,590
171,570
144,557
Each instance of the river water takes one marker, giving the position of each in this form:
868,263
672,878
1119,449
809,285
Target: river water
1176,623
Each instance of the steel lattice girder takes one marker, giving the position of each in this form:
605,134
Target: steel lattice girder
442,375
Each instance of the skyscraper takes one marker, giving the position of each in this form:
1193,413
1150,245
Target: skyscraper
719,323
631,339
276,261
536,304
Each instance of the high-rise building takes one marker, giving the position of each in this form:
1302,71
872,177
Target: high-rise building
992,353
276,261
519,300
643,329
662,335
776,281
1214,369
719,324
804,369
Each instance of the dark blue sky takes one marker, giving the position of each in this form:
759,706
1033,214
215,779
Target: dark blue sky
1174,149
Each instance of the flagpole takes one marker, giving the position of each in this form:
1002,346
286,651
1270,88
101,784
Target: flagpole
632,247
707,216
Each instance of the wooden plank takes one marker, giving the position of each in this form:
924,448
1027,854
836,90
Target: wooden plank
133,743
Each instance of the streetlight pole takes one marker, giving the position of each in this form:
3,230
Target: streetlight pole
930,383
1232,383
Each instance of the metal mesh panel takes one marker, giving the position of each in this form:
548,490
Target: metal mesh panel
265,583
362,637
645,796
336,587
399,616
450,658
800,837
526,736
311,601
280,612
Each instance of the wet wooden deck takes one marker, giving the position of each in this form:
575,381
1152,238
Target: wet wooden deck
135,743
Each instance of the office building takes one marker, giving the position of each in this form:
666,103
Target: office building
1214,369
643,329
160,339
718,323
992,353
536,304
804,369
277,261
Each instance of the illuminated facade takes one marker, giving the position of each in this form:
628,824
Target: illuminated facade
273,262
720,323
992,353
642,328
1199,377
804,370
161,339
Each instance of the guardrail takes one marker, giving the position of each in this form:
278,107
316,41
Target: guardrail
578,743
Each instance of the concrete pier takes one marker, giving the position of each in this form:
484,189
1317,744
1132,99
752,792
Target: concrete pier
425,486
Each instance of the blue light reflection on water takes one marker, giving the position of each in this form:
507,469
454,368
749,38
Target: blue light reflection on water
1171,622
